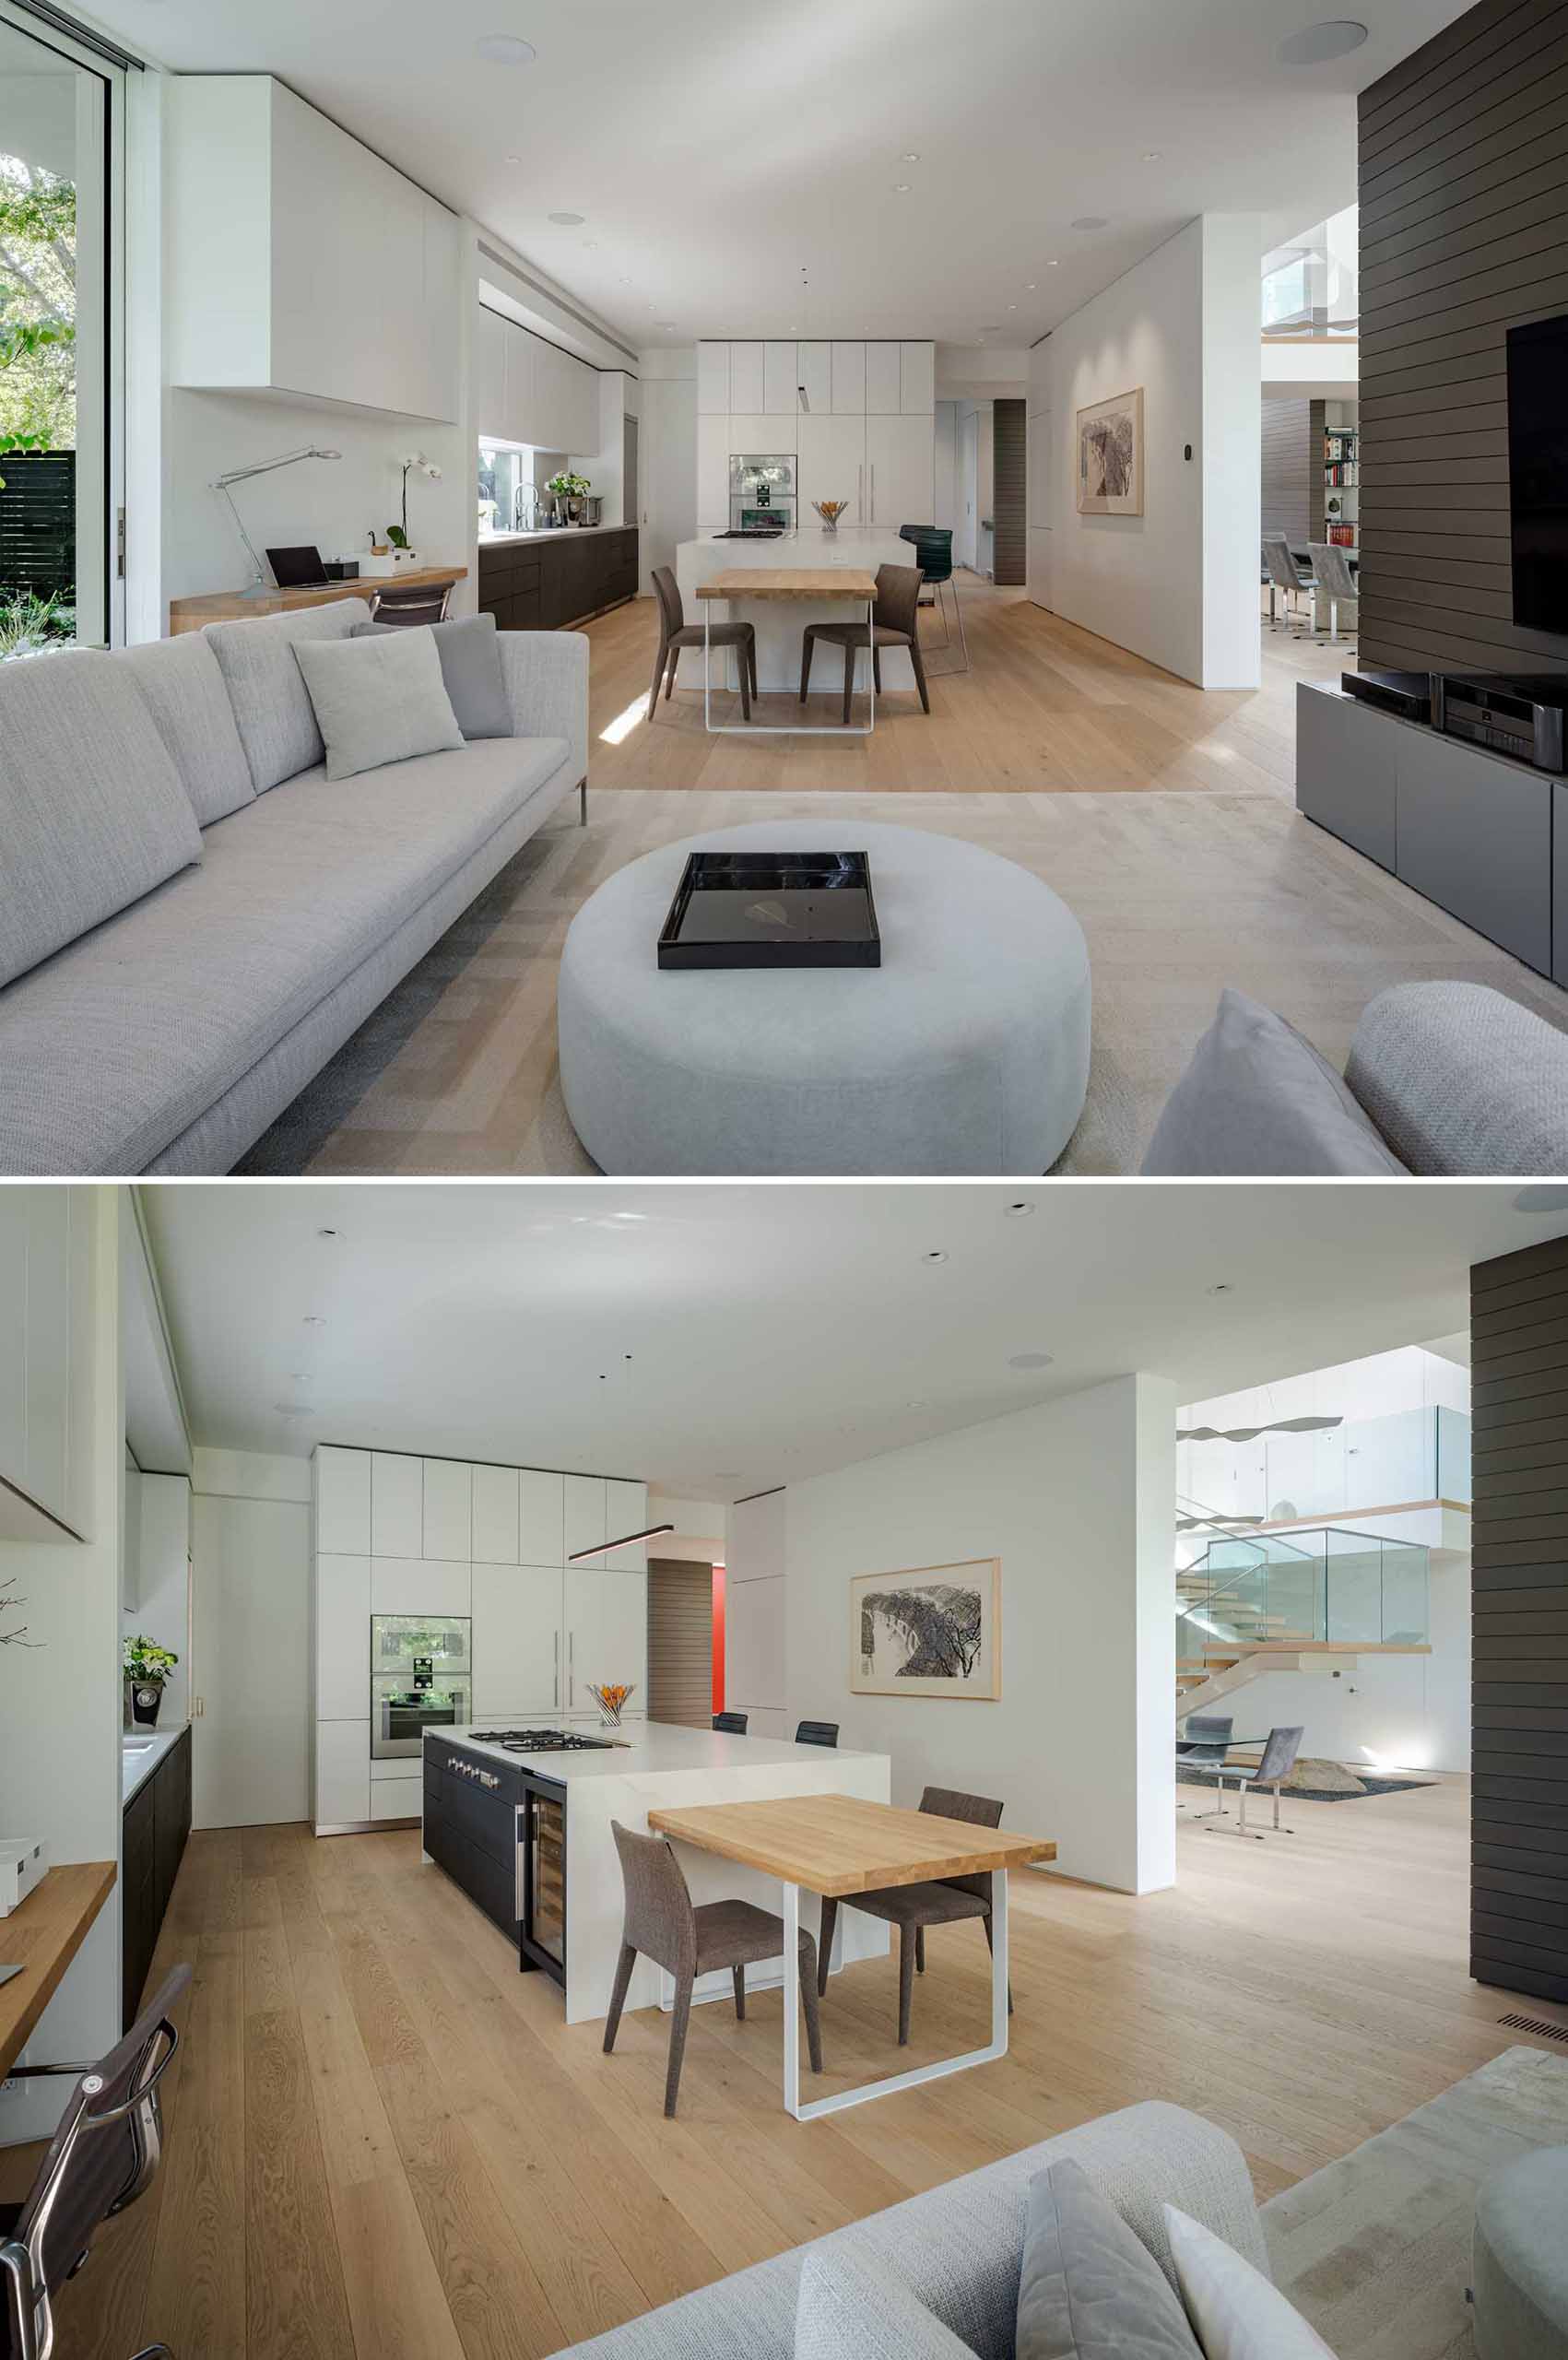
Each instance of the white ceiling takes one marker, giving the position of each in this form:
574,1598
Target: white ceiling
773,1331
736,160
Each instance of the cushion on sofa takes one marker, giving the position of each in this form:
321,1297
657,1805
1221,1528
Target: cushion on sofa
266,688
1238,2315
92,813
122,1040
1088,2290
1257,1101
470,666
853,2308
378,701
1460,1080
183,687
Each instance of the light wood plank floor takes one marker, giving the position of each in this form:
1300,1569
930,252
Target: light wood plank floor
384,2143
1045,708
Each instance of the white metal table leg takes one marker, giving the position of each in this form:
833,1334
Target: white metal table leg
791,1999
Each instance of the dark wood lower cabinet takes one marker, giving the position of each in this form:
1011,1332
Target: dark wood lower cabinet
545,585
470,1829
156,1822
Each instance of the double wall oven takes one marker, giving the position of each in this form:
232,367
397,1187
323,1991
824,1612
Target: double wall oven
422,1678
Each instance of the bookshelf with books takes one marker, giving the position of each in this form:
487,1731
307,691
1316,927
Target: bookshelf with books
1341,484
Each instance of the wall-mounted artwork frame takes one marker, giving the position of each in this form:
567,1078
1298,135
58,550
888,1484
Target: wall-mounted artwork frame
1110,456
928,1631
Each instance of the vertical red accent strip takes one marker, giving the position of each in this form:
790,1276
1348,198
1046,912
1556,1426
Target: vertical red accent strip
718,1638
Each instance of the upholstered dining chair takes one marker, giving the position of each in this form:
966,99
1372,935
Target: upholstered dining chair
101,2159
817,1733
943,1901
897,624
733,1723
1203,1745
661,1924
1278,1761
420,602
676,632
934,552
1331,579
1283,574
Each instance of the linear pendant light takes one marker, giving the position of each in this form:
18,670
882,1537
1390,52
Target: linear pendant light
624,1542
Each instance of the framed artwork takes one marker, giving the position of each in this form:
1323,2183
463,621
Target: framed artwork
932,1630
1110,456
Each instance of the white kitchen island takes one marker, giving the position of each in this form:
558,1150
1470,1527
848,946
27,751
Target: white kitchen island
857,549
658,1764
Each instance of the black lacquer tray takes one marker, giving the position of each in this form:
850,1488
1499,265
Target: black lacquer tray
772,909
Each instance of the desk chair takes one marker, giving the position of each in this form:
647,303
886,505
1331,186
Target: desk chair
421,602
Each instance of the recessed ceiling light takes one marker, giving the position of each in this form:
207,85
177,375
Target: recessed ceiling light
1151,155
326,1232
1053,263
910,156
514,160
312,1320
665,327
1030,1360
1012,307
504,49
1029,288
569,220
1541,1200
901,188
1020,1209
1091,222
936,1255
918,1405
1220,1286
1319,43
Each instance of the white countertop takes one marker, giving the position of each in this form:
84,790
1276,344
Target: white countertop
549,532
141,1750
650,1747
850,545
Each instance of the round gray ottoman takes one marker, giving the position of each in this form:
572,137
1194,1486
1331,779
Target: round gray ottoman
966,1051
1520,2262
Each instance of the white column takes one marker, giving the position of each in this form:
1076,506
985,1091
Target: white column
1232,448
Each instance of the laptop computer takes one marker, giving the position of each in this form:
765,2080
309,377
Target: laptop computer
298,569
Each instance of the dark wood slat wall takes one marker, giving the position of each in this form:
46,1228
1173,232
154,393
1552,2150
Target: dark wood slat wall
1009,445
1519,1673
1286,468
1464,229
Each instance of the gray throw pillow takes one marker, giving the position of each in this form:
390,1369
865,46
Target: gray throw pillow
92,813
378,701
851,2307
1258,1101
470,666
183,683
277,728
1090,2290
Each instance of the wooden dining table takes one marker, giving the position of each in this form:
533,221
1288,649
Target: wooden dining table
839,1845
809,584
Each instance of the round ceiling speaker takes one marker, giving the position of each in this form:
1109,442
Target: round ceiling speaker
1319,43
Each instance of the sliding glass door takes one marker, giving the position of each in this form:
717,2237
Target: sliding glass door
61,358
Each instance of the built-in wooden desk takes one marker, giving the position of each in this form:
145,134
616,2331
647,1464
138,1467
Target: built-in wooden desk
236,605
42,1935
839,1845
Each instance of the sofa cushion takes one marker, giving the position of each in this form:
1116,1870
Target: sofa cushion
183,687
1237,2313
378,701
92,813
1257,1101
852,2307
1088,2290
470,666
1462,1080
271,706
120,1043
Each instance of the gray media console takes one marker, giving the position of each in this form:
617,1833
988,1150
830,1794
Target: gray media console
1483,835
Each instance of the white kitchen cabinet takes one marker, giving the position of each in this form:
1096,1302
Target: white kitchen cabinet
849,380
418,1586
490,375
397,1798
900,455
48,1346
585,1511
343,1502
297,261
814,365
747,378
713,475
626,1510
495,1516
397,1504
712,379
45,1290
343,1637
781,384
764,432
343,1773
917,378
754,1644
542,1521
832,464
582,408
882,372
607,1630
521,411
448,1509
518,1653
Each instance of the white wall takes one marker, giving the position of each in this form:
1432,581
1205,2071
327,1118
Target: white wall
944,504
251,1639
1075,1499
755,1632
161,1508
1174,583
666,457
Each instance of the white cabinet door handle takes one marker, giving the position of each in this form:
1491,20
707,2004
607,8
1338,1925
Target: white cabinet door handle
860,495
557,1671
873,491
571,1667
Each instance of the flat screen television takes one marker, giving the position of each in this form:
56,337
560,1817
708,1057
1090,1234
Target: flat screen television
1537,468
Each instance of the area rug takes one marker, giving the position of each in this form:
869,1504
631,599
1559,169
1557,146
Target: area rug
1376,2250
1368,1786
1177,893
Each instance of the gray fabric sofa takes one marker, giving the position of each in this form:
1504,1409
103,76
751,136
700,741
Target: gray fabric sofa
959,2247
173,982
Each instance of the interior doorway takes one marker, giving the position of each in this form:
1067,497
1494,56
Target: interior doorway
680,1642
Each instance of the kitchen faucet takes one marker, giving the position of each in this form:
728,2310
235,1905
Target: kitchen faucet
524,499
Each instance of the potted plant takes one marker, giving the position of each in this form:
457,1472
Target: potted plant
573,488
403,552
146,1667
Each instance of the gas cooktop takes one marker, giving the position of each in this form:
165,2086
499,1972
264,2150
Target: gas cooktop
542,1741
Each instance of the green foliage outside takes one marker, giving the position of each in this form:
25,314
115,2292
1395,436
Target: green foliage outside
29,623
38,309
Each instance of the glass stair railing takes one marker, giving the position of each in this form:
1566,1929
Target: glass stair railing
1328,1585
